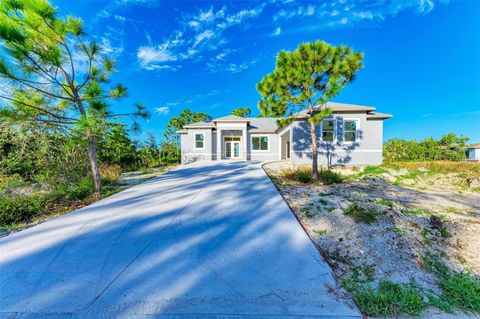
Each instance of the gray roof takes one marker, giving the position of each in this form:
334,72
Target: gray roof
231,118
375,115
200,125
263,125
342,107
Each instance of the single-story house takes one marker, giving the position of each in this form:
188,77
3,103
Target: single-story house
352,135
473,152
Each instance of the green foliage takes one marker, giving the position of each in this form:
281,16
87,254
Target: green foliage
389,299
384,202
373,170
303,176
459,289
178,122
242,111
304,80
329,177
360,214
18,209
449,147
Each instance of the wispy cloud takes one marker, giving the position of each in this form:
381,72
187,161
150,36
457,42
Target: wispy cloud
162,110
198,34
277,31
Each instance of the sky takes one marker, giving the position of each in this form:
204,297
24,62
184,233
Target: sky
422,57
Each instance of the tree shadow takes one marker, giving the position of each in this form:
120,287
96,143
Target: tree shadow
200,239
329,153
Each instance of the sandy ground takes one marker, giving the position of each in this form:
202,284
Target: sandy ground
393,246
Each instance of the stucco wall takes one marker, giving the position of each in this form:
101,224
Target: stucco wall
474,154
190,153
270,155
366,150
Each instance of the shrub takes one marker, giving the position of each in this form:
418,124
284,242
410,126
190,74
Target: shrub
303,176
18,209
449,147
361,214
110,174
373,170
329,177
80,190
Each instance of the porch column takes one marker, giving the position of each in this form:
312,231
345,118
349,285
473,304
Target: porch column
245,142
219,144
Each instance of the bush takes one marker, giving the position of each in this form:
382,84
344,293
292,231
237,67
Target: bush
303,176
329,177
18,209
449,147
110,174
81,190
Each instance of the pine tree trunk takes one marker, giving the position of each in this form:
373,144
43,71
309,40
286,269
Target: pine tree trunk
91,151
92,156
313,136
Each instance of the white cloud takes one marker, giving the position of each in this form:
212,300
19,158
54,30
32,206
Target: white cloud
196,35
120,18
277,31
110,49
162,110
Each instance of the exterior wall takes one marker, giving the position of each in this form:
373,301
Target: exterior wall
474,154
187,144
366,150
273,148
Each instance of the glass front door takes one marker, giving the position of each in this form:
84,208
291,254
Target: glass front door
232,147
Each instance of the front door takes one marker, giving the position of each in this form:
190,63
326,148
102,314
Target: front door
232,148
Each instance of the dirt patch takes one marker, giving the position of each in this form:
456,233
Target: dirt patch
377,227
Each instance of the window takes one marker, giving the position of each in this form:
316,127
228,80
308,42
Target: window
350,130
328,129
260,143
199,141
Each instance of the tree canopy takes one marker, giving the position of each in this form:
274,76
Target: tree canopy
242,111
185,117
305,79
54,75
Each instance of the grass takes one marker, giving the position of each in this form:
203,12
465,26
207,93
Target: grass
439,166
320,232
415,212
323,194
323,201
383,202
389,299
361,214
373,170
460,290
399,231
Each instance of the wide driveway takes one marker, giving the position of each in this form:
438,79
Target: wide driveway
201,241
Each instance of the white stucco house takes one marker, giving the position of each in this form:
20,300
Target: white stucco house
473,152
353,135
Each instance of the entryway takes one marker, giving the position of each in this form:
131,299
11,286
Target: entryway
232,147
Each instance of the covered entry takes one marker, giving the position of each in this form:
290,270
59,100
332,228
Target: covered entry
285,145
232,146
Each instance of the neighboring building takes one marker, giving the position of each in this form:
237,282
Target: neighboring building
353,135
473,152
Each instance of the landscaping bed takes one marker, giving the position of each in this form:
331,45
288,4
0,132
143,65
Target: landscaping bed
403,239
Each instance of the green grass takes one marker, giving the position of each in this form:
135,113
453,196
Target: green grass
389,299
399,231
460,290
383,202
331,209
361,214
323,201
325,194
415,212
303,176
320,232
373,170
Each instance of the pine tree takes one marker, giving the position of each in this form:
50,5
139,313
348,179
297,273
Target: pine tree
305,79
54,74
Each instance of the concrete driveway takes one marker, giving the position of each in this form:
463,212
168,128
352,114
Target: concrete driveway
201,241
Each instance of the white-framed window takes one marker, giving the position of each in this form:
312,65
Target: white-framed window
350,130
260,143
328,130
199,141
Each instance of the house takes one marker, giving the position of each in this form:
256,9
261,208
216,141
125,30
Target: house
353,135
473,152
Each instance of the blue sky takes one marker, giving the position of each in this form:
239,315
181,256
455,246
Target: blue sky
421,57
